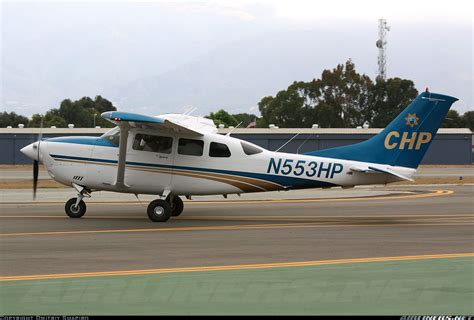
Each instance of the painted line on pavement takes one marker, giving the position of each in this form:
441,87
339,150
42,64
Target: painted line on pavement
233,267
229,228
243,217
432,193
378,218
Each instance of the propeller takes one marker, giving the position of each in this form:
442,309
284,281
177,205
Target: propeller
35,177
36,161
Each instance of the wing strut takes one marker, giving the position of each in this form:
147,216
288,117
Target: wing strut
122,156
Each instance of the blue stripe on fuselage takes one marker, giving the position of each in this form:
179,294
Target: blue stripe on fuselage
93,141
289,182
133,117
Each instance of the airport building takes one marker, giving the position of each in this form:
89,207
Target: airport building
450,146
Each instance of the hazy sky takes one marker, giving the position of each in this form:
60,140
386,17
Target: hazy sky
163,56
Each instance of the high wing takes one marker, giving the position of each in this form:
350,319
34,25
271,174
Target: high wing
373,169
135,120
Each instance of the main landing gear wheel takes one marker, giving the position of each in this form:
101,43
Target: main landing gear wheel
159,211
73,210
176,205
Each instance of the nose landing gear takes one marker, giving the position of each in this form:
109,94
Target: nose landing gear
76,207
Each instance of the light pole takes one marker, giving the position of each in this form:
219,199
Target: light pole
95,114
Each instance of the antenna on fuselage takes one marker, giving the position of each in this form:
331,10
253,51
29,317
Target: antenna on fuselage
299,147
228,133
289,140
190,110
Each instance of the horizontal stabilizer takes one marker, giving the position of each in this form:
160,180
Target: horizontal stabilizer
372,169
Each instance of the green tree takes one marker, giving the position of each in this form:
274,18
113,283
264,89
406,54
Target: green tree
222,117
83,113
76,113
342,98
468,120
262,122
287,108
244,118
338,99
12,119
387,99
102,105
453,120
51,118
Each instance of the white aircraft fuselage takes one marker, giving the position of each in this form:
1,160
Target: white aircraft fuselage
91,162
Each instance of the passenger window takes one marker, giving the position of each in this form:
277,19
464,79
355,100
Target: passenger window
190,147
219,150
160,144
250,149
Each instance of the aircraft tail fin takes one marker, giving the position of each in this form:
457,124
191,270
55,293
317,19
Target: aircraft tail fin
405,140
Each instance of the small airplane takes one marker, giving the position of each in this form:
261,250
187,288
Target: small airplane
175,155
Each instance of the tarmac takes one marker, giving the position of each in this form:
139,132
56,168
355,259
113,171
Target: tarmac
403,228
118,235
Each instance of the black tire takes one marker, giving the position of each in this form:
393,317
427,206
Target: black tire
176,205
75,212
159,211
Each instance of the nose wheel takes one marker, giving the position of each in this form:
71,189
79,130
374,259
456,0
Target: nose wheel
74,208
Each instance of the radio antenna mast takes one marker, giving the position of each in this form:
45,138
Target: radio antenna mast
382,45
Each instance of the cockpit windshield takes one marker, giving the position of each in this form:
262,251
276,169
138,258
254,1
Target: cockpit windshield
113,135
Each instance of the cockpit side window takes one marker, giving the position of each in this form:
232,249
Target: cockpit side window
250,149
152,143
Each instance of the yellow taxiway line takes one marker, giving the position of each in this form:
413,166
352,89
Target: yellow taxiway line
219,218
226,217
328,224
433,193
232,267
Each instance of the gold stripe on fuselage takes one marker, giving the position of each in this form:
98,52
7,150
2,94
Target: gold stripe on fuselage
243,183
